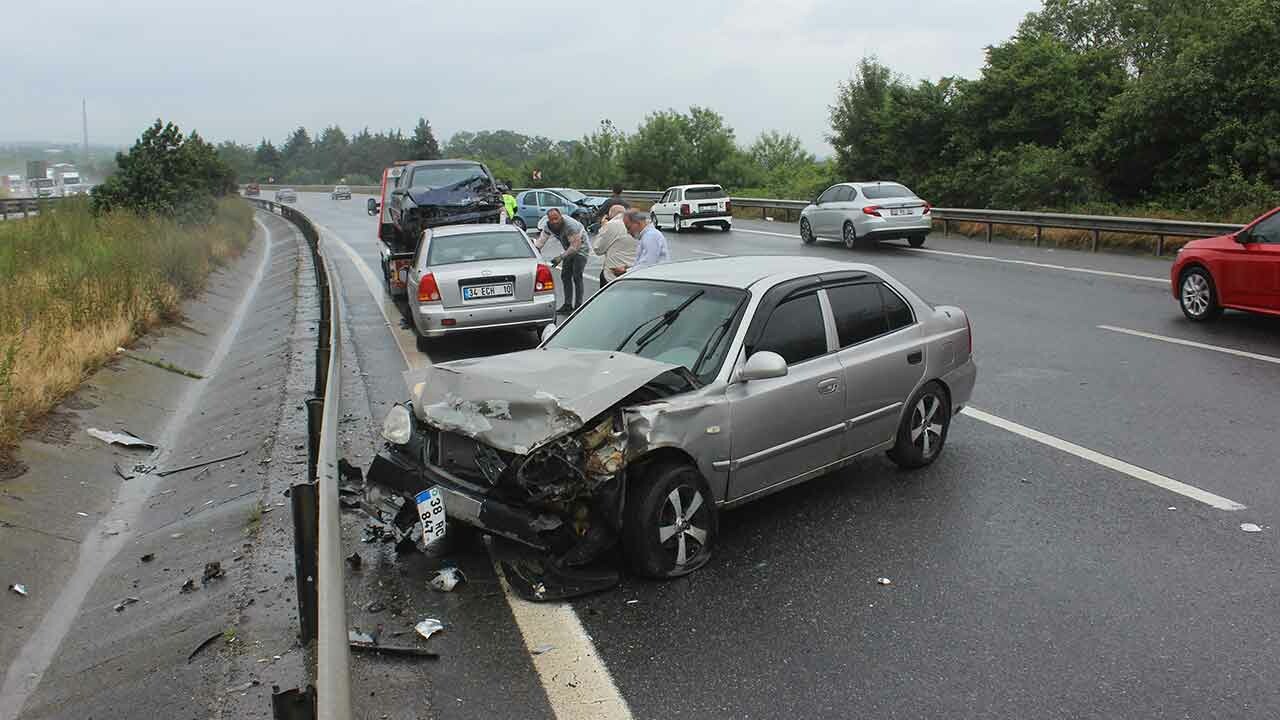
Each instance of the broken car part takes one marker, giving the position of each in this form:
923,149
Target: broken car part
202,463
446,579
123,438
19,589
429,627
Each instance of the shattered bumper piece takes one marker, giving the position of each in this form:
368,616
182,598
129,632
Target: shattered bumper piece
540,578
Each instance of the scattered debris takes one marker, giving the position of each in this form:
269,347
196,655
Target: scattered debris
884,581
209,641
148,557
354,560
188,586
124,438
120,473
543,649
82,514
768,218
177,535
392,650
446,579
375,607
356,635
19,588
1171,508
120,606
203,463
632,602
143,469
429,627
1250,528
212,571
242,687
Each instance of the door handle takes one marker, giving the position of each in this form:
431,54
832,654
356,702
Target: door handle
828,386
915,358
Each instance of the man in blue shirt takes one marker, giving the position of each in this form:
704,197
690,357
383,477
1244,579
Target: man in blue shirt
652,245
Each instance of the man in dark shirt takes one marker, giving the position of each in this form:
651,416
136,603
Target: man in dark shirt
614,199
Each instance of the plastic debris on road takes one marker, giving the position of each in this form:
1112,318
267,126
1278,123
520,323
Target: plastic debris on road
355,561
19,588
148,557
124,438
884,581
188,586
446,579
429,627
356,635
1250,527
212,571
541,649
120,606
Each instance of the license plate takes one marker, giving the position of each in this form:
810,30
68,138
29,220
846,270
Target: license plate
708,208
431,511
894,212
476,292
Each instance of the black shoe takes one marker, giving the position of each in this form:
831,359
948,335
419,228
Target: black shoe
564,309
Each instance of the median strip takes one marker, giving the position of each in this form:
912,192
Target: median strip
1194,344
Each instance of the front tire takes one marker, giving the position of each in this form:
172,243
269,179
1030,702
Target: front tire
923,429
850,236
1198,296
670,521
518,223
806,232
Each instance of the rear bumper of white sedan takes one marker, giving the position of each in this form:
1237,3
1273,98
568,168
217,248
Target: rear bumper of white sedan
435,321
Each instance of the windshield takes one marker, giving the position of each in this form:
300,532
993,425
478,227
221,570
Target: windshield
571,195
888,190
70,179
471,247
704,193
436,177
634,316
42,182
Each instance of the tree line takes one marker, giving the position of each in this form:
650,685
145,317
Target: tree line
1095,105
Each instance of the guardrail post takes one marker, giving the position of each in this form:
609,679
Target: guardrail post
988,232
306,538
315,419
1159,245
1096,234
1039,233
946,228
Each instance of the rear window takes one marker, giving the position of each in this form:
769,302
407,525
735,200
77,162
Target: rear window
471,247
886,190
707,192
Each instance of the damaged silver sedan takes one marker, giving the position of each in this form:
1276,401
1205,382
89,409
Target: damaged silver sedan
675,393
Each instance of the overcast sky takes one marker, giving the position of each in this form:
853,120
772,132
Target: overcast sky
247,69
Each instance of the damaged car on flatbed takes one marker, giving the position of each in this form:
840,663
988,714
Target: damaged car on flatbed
675,393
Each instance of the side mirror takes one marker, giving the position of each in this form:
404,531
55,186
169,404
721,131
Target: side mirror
372,205
547,332
1243,237
762,366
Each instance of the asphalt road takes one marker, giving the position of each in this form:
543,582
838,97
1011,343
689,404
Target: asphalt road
1033,575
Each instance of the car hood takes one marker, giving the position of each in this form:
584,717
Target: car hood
518,401
454,198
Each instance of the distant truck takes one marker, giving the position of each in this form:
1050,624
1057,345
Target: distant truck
72,184
421,194
36,169
42,187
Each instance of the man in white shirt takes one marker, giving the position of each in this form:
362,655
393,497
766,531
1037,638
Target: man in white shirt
616,245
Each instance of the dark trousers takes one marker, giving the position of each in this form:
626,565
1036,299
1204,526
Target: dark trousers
571,277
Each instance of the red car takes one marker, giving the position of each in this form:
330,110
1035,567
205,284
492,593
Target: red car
1240,271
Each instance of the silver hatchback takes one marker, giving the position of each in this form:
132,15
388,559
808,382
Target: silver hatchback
478,277
675,393
869,211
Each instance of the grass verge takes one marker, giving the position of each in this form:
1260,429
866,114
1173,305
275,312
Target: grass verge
74,287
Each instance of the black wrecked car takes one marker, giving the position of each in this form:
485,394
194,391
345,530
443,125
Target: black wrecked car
430,193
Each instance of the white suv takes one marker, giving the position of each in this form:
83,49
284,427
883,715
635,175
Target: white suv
685,206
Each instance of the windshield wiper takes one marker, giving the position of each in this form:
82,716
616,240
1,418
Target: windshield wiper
664,320
709,347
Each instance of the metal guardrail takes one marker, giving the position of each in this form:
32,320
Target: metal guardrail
318,557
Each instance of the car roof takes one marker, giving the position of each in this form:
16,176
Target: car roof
472,229
696,185
869,183
422,163
745,271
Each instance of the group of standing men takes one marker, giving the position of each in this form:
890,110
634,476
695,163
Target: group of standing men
627,240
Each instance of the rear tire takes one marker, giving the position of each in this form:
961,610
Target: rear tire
916,241
658,528
675,223
923,430
422,343
806,232
1197,295
850,236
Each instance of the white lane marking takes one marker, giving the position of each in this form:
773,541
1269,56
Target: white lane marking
1194,344
1010,261
573,675
1120,466
707,252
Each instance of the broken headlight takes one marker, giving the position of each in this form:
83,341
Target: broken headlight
397,428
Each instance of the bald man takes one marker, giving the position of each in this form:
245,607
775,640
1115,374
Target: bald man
616,245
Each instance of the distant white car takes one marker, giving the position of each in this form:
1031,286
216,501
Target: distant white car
867,211
288,195
340,192
685,206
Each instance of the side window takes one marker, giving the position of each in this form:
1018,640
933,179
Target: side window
853,194
1267,231
830,194
546,199
896,310
858,311
795,330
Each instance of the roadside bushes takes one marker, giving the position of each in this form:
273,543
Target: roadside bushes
86,276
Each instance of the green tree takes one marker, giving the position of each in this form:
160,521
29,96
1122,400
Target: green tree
774,151
331,152
241,159
423,145
855,122
296,153
268,161
166,174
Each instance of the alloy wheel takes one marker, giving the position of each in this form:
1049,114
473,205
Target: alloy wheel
683,523
806,232
850,236
1195,294
926,430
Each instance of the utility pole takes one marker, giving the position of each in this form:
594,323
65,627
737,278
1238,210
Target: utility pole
84,117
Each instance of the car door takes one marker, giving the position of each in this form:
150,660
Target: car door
821,222
1251,270
527,208
788,426
881,355
843,208
659,210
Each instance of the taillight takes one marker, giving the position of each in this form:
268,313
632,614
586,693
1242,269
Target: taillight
872,210
428,291
728,206
927,208
684,209
543,283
